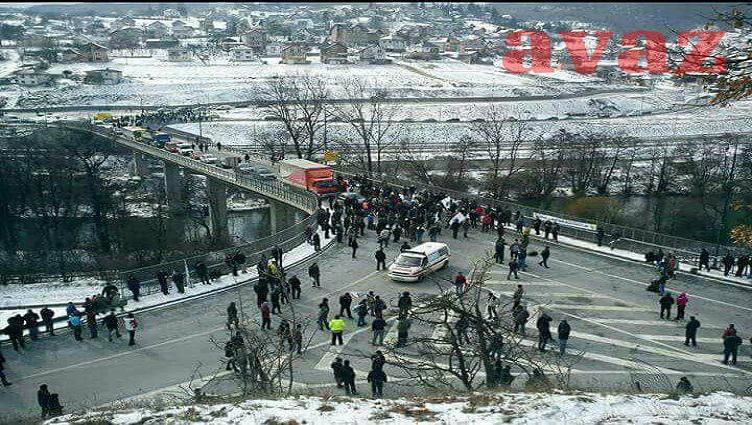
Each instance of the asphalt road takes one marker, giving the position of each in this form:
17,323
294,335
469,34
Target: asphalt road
614,321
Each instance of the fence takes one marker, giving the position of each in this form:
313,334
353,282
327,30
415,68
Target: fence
286,239
631,239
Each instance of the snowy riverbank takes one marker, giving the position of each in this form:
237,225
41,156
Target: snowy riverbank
514,408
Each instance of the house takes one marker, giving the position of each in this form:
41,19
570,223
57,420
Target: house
126,38
333,53
177,54
161,43
183,31
207,25
424,51
30,77
274,49
392,43
177,24
372,54
294,53
103,76
255,39
69,54
123,22
157,29
94,52
230,43
243,54
353,35
170,13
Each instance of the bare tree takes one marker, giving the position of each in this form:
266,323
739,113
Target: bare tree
373,121
501,138
464,346
299,103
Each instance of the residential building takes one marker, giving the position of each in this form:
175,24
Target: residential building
123,22
332,53
161,43
294,53
126,38
178,54
255,39
103,76
424,51
157,29
274,49
94,52
373,54
30,77
392,43
243,54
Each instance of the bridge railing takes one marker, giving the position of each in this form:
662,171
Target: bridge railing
287,239
631,239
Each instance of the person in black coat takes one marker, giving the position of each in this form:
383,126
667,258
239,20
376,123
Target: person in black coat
354,245
345,301
294,283
316,239
666,302
380,259
377,378
544,330
731,348
164,284
43,398
704,259
348,377
134,286
563,333
690,331
315,274
3,379
47,315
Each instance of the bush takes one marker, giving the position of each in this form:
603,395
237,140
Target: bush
600,208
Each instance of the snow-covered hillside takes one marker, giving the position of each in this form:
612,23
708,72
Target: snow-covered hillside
517,408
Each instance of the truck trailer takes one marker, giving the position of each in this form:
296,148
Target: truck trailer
308,175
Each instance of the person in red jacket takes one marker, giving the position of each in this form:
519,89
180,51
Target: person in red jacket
681,304
459,283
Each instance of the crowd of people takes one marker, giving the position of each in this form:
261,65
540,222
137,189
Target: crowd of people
161,117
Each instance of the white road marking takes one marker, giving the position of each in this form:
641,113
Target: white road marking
646,284
124,353
595,307
661,323
518,282
556,295
679,338
667,350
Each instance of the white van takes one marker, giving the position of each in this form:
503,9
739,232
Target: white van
185,149
413,265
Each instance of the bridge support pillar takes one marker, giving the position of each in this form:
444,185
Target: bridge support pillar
140,167
173,187
273,210
216,191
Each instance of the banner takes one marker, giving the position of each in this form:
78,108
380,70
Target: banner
566,222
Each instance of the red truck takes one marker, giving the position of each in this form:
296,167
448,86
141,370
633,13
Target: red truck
309,175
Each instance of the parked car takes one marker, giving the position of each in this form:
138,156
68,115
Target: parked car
414,264
210,159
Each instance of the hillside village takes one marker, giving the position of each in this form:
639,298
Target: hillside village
336,35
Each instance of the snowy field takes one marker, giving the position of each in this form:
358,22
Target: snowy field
154,81
513,408
710,121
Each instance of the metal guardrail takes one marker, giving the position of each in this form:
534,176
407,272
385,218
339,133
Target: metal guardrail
287,239
631,239
274,189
